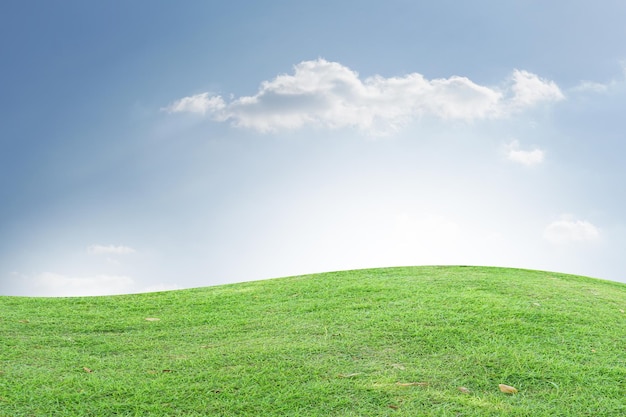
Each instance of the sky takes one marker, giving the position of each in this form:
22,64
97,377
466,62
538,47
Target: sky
156,145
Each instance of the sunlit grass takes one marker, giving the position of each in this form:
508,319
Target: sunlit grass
337,344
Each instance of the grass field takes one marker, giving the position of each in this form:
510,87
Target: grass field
415,341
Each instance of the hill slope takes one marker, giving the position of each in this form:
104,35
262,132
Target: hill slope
397,341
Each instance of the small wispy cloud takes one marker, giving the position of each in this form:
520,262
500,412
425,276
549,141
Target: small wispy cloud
331,95
615,84
591,87
568,229
524,157
109,250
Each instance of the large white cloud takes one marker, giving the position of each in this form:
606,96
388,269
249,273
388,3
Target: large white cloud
331,95
571,230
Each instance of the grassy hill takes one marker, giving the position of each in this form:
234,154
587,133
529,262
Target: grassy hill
418,341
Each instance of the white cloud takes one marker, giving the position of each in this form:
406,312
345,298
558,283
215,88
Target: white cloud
528,158
528,89
53,285
591,87
616,84
109,250
331,95
200,103
570,230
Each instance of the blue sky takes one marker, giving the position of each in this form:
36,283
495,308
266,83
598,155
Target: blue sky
151,145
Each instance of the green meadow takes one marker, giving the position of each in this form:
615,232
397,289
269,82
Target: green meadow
414,341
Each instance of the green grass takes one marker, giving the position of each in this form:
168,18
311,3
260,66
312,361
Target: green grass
335,344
